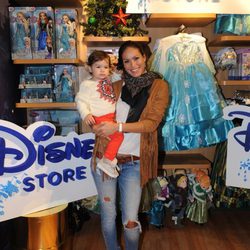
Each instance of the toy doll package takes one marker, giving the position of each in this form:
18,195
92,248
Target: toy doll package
36,84
20,30
42,33
66,35
65,83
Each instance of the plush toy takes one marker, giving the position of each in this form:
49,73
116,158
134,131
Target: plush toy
200,198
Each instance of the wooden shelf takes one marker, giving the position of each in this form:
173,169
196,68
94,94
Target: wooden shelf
48,105
234,82
175,20
53,3
48,61
98,41
183,161
230,41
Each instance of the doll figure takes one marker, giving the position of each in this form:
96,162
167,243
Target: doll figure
49,46
179,191
67,32
65,87
42,30
161,200
200,199
22,32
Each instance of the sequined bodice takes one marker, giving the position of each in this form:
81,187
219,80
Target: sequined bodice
185,53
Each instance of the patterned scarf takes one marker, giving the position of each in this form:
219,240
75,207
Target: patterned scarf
135,93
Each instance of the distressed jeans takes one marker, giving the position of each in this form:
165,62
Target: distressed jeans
130,195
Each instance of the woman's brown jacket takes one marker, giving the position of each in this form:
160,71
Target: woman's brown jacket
149,121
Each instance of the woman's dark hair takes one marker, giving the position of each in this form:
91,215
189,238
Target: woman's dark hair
124,46
98,55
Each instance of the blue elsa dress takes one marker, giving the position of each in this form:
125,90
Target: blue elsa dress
65,38
66,94
19,37
194,116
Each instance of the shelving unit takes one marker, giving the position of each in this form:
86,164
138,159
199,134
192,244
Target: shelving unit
234,83
175,20
57,3
48,105
230,41
48,61
95,41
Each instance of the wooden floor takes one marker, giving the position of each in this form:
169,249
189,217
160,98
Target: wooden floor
226,229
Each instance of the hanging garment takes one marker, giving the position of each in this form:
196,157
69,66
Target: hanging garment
194,117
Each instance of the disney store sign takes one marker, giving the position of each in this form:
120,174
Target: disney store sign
238,148
39,170
189,6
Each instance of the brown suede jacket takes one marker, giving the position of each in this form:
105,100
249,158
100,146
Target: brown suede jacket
149,121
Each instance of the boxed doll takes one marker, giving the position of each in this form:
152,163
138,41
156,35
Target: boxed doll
39,70
245,71
66,78
20,32
37,77
35,81
34,95
66,35
42,30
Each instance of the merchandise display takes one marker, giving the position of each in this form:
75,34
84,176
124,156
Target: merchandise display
241,71
42,27
65,83
232,24
66,36
20,32
65,121
196,75
194,118
36,84
37,31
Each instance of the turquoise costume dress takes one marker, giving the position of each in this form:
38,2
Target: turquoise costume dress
194,117
232,24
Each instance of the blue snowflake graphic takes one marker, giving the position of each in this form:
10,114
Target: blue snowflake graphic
244,169
7,190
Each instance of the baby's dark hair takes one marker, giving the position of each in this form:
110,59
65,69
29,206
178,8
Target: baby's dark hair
124,46
98,55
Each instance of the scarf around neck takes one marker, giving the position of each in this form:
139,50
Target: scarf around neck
135,93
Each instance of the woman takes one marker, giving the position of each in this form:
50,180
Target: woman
142,100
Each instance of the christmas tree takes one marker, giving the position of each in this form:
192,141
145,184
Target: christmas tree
108,18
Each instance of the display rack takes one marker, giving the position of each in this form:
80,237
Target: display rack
175,20
47,105
225,40
95,41
48,61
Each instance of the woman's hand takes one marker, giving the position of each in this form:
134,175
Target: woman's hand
105,128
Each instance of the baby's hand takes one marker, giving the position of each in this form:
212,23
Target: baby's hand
89,120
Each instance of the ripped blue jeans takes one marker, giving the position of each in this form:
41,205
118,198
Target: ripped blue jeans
130,196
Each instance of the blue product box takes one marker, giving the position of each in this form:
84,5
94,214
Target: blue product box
66,80
66,35
20,32
42,33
